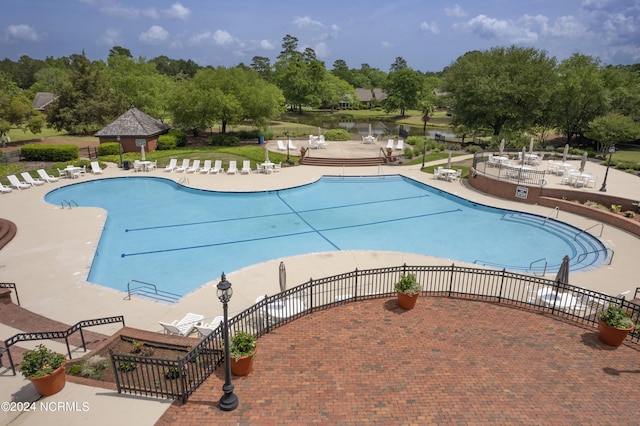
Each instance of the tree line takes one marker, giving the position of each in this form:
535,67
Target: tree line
502,91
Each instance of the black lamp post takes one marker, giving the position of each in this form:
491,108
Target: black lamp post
288,143
424,152
228,401
604,182
120,150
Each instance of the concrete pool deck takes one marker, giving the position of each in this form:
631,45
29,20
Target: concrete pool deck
50,257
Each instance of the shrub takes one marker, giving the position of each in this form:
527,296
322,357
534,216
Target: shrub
167,142
94,366
408,152
616,208
630,214
242,344
40,362
408,285
413,140
109,148
616,316
34,152
472,149
181,137
337,135
224,139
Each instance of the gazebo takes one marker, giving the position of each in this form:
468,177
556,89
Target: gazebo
134,129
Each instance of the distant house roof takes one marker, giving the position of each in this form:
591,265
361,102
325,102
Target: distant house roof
368,95
133,123
364,95
42,99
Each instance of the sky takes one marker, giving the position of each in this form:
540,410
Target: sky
428,34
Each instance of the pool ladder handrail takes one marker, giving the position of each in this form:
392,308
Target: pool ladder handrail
68,202
184,179
606,250
162,295
556,210
544,271
575,237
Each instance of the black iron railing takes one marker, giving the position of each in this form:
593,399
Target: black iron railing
181,377
52,335
13,287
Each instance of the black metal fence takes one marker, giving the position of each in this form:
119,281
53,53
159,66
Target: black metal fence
13,287
181,377
483,162
64,334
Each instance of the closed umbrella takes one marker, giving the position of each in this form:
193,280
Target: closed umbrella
283,277
563,273
531,146
583,162
524,151
565,153
266,154
142,153
369,129
449,162
501,147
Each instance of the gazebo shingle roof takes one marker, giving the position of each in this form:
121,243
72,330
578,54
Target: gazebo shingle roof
134,123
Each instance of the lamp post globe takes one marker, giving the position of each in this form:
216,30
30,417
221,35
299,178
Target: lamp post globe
229,400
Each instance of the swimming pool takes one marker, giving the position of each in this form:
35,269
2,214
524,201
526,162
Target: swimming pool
180,238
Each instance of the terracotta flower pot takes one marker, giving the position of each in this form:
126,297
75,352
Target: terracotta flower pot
610,335
50,384
243,366
407,302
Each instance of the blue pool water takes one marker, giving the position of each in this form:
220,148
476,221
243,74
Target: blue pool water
178,238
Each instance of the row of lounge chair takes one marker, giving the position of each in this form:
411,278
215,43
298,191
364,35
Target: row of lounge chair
29,181
283,147
399,146
190,323
188,167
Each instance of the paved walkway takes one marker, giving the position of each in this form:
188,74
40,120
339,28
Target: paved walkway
447,361
51,256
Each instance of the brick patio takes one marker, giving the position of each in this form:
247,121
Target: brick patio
447,361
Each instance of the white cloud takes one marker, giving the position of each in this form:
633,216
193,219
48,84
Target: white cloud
306,22
567,26
150,12
20,33
265,44
520,31
429,27
386,44
456,11
322,50
154,35
178,11
223,38
111,37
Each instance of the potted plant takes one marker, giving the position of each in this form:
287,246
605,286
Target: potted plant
613,325
408,291
242,351
45,369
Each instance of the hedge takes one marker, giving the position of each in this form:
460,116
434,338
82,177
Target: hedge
54,153
167,142
109,148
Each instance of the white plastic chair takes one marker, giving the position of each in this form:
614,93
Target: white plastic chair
185,165
95,168
182,327
206,168
233,167
16,183
217,167
31,181
246,167
173,163
46,177
194,167
281,146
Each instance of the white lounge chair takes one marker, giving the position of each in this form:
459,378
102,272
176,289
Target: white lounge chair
5,189
185,165
62,173
183,327
277,167
95,168
390,144
16,183
173,163
400,145
206,168
194,167
291,145
281,146
233,167
246,167
31,181
217,167
46,177
206,329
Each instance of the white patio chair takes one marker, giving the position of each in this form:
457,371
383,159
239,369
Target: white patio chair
17,183
246,167
95,168
185,165
46,177
206,168
233,167
207,328
173,163
194,167
281,146
182,327
31,181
